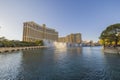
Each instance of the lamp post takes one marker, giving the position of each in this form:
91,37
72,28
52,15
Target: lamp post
116,39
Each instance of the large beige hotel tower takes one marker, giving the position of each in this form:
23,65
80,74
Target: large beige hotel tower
33,32
72,38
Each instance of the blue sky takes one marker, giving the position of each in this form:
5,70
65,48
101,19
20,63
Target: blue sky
89,17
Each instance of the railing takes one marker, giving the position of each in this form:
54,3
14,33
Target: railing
11,49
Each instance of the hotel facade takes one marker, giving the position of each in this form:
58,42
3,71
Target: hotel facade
33,32
72,38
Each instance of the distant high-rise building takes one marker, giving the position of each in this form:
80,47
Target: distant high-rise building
33,32
62,39
72,38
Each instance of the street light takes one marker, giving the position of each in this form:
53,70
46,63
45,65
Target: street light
116,34
116,39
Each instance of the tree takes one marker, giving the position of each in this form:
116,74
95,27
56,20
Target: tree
103,37
111,33
39,42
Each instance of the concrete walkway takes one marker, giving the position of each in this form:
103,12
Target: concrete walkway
11,49
115,50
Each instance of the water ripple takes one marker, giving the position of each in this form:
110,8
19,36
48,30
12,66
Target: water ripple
73,63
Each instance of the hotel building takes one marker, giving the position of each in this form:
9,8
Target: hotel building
33,32
72,38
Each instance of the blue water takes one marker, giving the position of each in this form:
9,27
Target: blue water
75,63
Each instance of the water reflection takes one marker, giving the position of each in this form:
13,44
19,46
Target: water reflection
10,65
113,66
72,63
37,64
